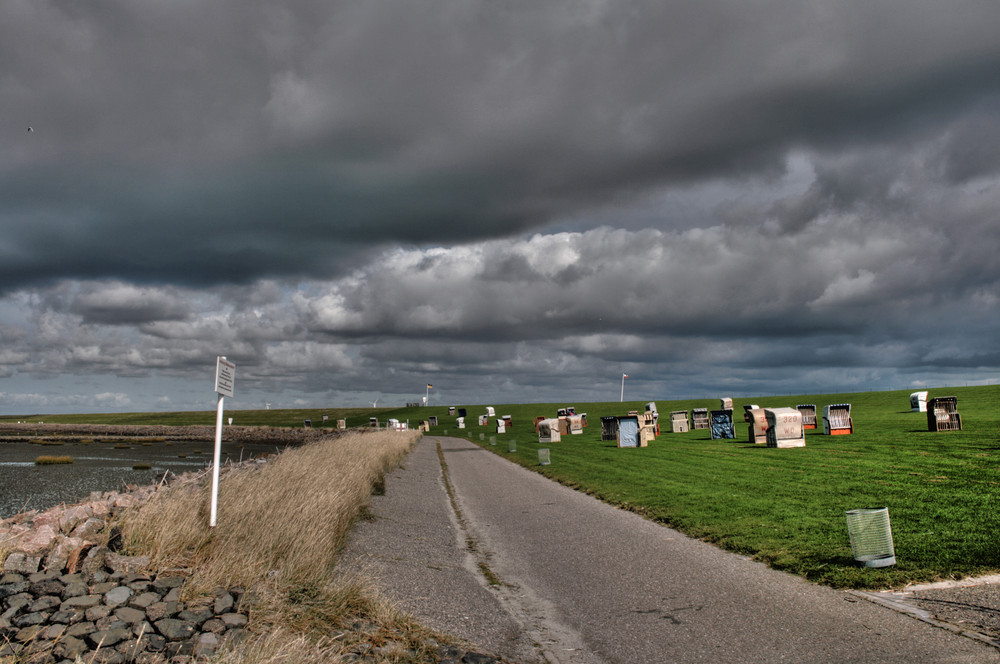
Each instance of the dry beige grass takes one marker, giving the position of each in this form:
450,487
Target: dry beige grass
45,460
279,530
287,518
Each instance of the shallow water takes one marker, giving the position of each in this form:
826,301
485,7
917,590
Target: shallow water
98,467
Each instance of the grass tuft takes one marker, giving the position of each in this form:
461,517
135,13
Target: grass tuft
45,460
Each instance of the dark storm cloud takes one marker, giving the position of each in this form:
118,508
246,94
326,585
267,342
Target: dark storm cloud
217,144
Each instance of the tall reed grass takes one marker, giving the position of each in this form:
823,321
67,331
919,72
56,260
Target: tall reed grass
279,530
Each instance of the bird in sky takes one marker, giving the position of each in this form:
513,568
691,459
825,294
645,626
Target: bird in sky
31,129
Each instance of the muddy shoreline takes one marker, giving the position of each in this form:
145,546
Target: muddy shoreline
36,432
111,457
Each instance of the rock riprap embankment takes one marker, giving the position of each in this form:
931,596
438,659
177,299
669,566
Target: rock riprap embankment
106,613
64,595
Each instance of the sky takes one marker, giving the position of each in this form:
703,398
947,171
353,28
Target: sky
511,201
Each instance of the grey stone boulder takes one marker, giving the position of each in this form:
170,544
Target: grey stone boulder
47,587
22,562
18,601
224,603
164,583
26,634
234,620
129,615
81,602
69,647
67,616
29,619
196,615
13,588
74,589
144,600
105,638
206,645
118,595
160,610
80,629
99,612
173,629
45,603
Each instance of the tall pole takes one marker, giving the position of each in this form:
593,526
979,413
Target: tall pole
624,376
225,377
215,465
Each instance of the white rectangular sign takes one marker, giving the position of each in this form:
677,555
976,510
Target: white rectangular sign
225,377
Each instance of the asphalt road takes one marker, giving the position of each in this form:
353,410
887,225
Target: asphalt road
481,548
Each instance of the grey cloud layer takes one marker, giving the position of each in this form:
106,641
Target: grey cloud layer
215,144
666,306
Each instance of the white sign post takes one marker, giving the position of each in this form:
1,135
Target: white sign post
225,377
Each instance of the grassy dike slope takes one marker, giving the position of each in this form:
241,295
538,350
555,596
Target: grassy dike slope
786,507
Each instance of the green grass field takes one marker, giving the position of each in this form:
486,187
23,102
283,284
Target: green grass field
785,507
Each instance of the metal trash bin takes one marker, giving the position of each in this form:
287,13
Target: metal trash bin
871,537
